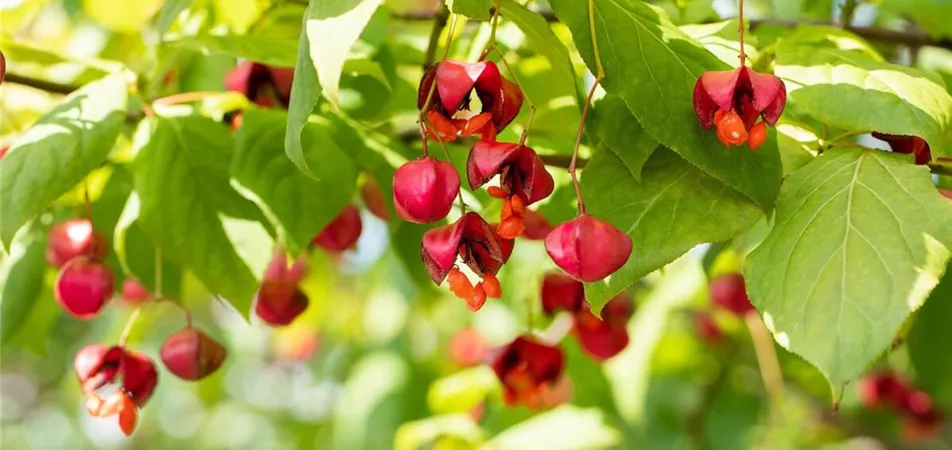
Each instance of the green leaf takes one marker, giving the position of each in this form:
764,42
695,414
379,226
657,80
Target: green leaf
543,40
870,95
22,283
59,150
181,176
619,130
168,13
832,38
674,208
926,342
797,143
305,94
653,66
456,428
861,237
137,254
721,39
332,28
368,67
297,205
564,428
461,391
272,50
477,9
123,17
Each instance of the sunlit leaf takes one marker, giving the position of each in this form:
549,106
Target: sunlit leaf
344,21
653,66
674,207
299,206
21,280
276,51
932,327
477,9
860,239
870,95
186,203
59,150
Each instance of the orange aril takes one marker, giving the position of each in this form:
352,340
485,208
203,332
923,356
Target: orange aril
476,124
491,286
478,299
731,131
497,192
518,205
459,284
757,135
511,228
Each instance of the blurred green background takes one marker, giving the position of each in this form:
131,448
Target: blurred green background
369,365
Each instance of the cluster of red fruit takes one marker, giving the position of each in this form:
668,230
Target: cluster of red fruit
83,287
732,101
280,299
189,354
728,292
530,370
600,338
424,190
886,389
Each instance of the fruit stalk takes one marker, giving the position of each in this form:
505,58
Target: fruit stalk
767,361
578,142
532,107
740,31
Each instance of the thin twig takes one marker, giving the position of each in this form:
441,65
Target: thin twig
846,13
492,33
941,169
186,97
439,23
36,83
740,31
915,38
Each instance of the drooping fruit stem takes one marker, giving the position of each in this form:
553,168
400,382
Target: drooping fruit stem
767,361
591,28
492,34
740,31
578,142
446,152
156,297
126,330
88,210
532,107
599,76
185,97
450,35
